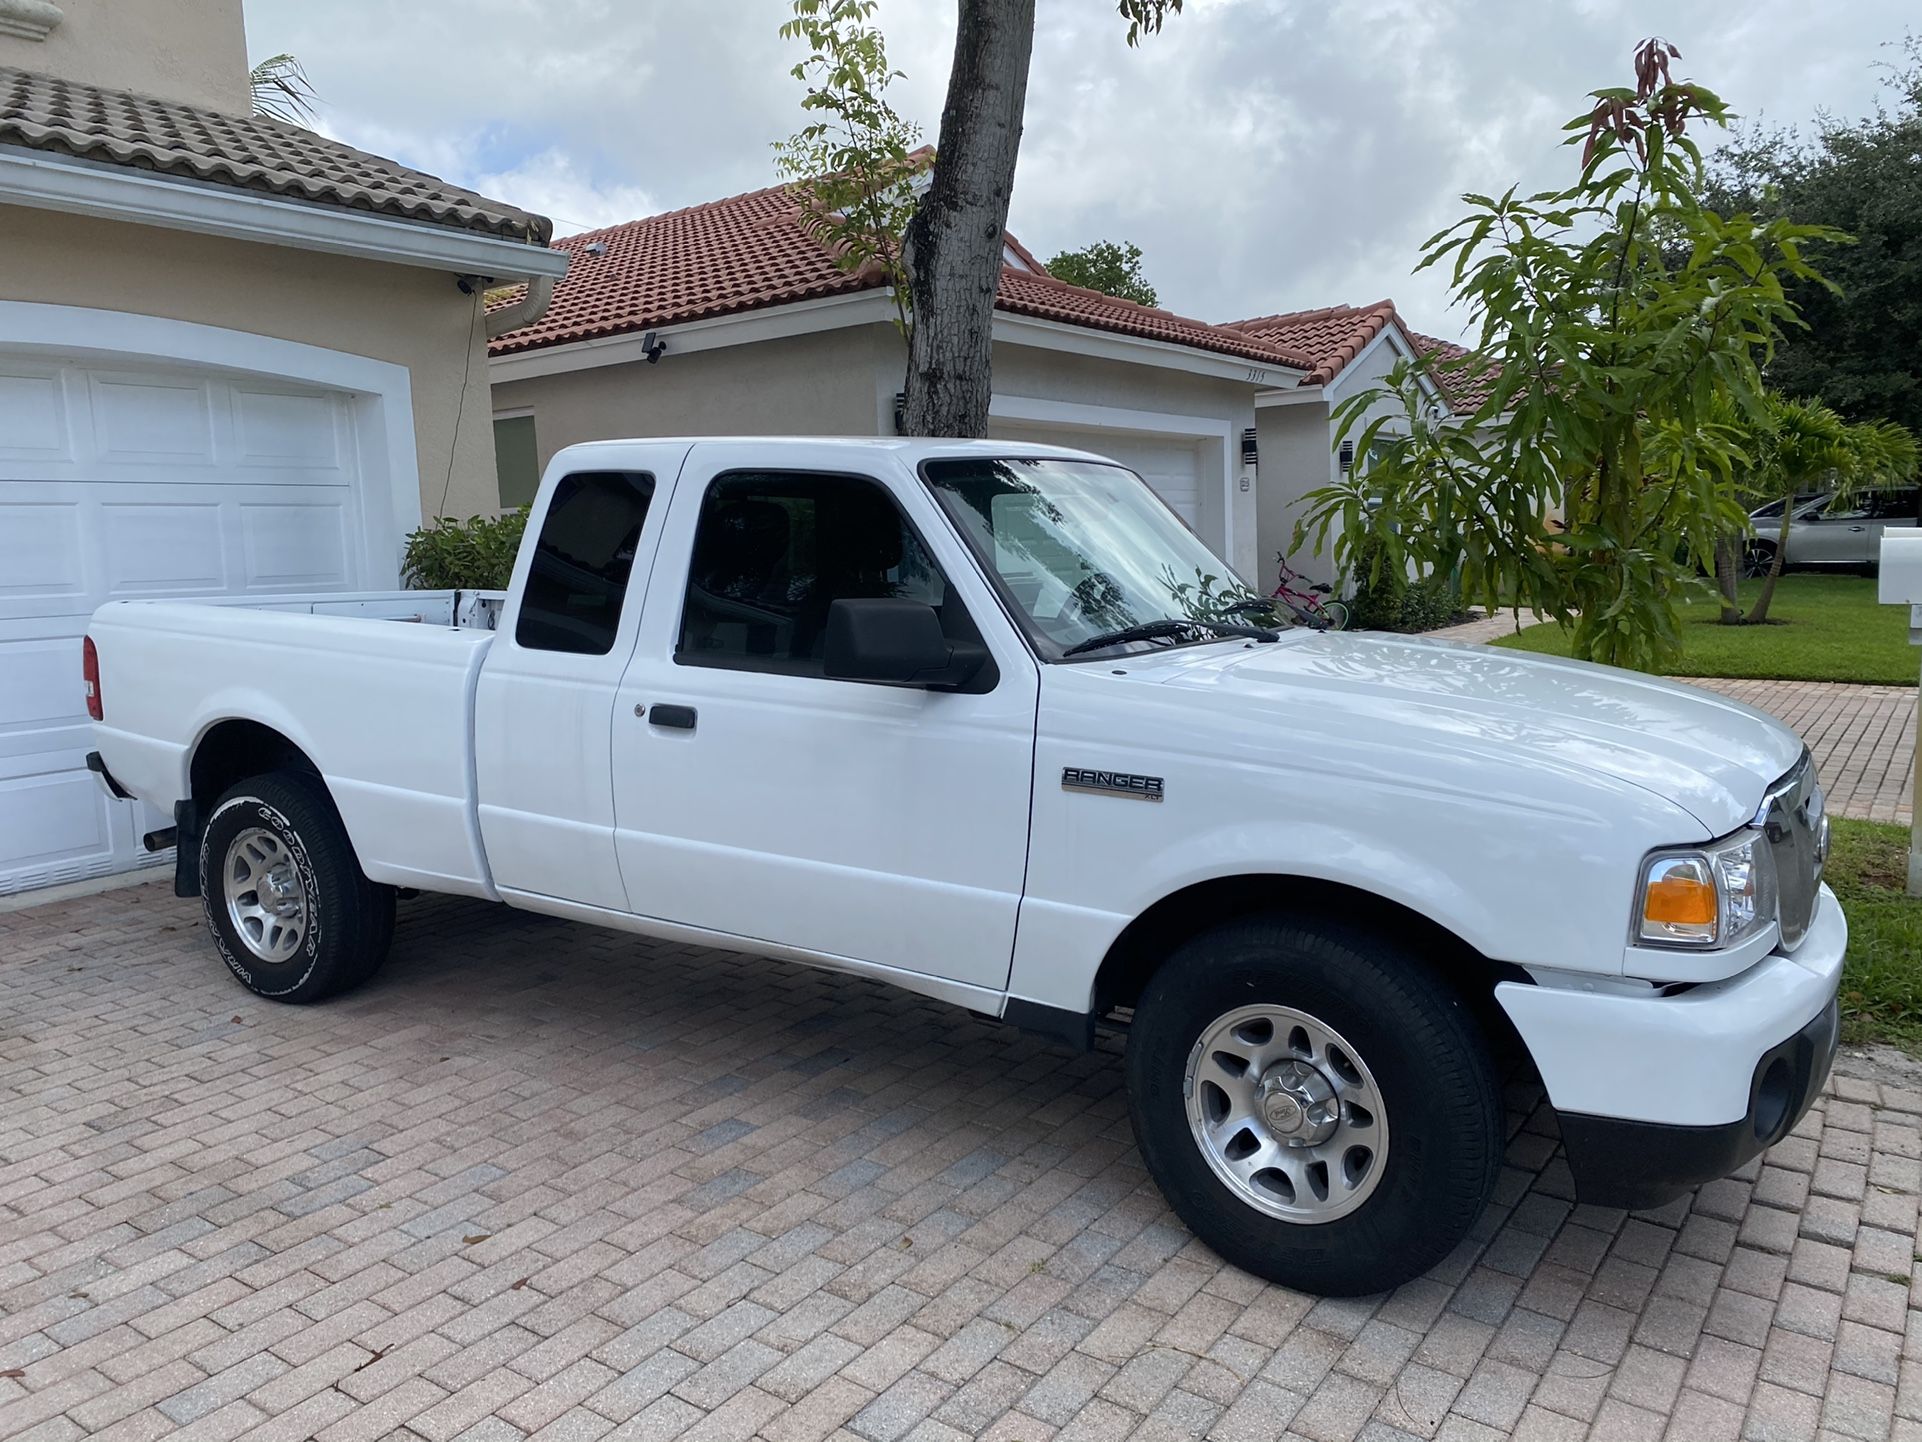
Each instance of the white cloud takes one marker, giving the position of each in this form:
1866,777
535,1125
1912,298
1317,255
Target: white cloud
1265,154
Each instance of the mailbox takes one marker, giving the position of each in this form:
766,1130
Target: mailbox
1901,585
1901,568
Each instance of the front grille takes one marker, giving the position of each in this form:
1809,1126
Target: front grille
1791,817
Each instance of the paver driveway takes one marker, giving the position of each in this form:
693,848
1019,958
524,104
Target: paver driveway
541,1180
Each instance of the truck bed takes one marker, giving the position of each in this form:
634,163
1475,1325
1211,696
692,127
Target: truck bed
318,669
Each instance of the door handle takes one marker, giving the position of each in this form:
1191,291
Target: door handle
676,718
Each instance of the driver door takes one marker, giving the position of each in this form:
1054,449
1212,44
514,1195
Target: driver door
756,797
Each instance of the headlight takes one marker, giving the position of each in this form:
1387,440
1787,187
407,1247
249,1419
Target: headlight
1707,896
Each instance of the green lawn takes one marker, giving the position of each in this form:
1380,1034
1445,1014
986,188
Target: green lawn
1833,630
1882,982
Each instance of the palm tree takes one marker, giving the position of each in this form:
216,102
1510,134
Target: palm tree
278,89
1803,446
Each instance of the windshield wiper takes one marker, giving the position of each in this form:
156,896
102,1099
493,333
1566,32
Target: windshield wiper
1166,629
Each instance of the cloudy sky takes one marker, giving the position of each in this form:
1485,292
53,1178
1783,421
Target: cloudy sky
1265,154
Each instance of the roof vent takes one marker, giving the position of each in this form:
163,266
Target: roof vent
595,247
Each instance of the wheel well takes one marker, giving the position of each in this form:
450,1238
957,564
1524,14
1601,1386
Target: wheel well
233,750
1148,939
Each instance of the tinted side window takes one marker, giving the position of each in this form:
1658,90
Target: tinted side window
580,571
775,549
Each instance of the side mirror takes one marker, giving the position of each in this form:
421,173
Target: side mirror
896,643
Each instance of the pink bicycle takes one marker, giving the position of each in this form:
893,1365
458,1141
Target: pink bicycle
1311,603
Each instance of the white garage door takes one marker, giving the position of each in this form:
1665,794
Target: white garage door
1170,464
124,482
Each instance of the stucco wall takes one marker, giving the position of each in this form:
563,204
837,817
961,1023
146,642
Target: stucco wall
1295,459
406,315
828,384
193,51
1298,455
843,382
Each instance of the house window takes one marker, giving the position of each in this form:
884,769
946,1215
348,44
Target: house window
517,464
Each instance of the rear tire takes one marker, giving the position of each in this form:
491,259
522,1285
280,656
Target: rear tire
1336,614
1314,1104
291,912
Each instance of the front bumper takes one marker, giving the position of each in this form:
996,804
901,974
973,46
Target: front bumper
1657,1094
1647,1164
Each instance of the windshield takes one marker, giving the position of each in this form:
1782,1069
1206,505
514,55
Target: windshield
1083,551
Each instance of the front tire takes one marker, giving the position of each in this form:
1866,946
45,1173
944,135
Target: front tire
290,910
1314,1104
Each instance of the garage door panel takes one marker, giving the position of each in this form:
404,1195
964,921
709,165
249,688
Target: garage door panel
41,557
122,482
278,429
295,548
33,415
57,824
40,689
147,421
153,549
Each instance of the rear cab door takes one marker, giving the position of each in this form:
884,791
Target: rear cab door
544,703
754,795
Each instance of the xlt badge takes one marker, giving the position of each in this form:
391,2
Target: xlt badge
1111,783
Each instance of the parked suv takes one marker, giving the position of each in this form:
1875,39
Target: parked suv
1831,530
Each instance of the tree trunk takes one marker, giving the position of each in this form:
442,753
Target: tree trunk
954,243
1728,575
1759,612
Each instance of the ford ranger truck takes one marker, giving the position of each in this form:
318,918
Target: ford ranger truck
990,723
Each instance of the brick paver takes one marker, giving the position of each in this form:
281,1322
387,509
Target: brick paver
543,1181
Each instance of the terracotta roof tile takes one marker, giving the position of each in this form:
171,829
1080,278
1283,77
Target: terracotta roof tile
750,251
1466,391
1334,335
249,152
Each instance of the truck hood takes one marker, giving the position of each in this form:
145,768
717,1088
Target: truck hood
1705,753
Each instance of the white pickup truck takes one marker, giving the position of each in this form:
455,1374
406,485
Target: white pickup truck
978,720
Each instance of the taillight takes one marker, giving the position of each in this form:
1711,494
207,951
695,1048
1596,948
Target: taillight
90,668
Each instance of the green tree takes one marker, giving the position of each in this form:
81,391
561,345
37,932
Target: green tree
1857,348
1801,446
1622,324
953,244
1107,267
852,167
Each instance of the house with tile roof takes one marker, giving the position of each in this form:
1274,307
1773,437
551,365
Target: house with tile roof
1351,348
729,318
235,357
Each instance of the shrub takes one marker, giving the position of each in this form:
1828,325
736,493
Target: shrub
476,554
1413,606
1389,602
